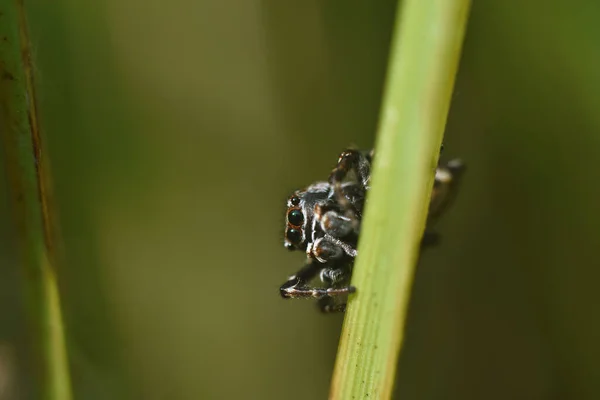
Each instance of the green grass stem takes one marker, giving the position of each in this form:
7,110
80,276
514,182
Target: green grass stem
424,59
28,178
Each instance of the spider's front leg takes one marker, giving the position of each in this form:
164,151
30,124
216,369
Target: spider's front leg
350,160
299,281
297,285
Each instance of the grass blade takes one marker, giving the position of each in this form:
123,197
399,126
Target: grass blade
424,59
28,179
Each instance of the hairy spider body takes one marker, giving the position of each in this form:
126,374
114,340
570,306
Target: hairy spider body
324,219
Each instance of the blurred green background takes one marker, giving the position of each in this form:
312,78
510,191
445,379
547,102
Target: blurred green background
176,132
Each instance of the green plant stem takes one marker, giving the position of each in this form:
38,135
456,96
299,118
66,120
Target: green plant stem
424,59
28,178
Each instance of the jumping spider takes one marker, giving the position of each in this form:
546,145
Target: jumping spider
324,221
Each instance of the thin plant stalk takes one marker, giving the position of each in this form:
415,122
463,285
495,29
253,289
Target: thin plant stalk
29,192
425,54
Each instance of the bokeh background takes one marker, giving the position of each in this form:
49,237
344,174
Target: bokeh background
176,130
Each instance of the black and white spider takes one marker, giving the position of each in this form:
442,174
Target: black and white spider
324,221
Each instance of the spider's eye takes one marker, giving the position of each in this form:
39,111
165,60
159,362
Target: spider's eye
295,217
293,235
295,200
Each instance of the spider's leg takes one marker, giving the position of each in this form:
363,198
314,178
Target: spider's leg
445,187
350,160
327,305
300,279
334,277
296,291
333,223
329,248
447,177
297,285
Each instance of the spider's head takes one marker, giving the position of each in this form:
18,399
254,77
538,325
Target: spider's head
299,215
